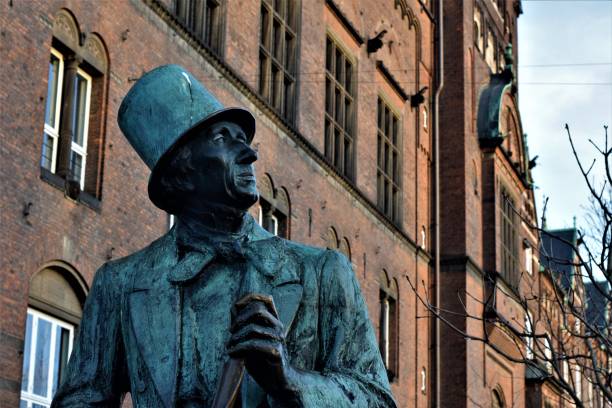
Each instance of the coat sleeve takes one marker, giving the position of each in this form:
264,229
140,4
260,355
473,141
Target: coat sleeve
96,372
350,371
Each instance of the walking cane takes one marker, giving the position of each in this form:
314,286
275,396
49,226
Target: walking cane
233,369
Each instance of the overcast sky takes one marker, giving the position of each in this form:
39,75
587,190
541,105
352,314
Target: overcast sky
565,76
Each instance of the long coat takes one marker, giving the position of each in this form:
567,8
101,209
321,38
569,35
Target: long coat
129,339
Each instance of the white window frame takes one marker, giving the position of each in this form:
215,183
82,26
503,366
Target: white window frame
423,380
386,310
548,354
171,220
53,131
29,395
74,147
529,260
578,381
529,338
274,221
490,50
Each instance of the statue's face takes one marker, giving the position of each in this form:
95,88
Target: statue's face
224,172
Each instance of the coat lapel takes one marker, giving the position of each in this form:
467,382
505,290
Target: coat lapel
155,318
155,310
270,259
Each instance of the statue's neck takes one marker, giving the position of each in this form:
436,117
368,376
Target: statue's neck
213,222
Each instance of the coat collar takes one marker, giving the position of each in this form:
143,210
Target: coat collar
154,301
251,244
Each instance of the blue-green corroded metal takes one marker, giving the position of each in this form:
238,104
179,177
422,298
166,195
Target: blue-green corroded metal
489,105
162,109
218,312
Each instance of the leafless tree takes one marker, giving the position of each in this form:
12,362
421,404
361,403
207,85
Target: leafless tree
567,335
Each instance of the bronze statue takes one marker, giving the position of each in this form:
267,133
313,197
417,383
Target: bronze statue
218,312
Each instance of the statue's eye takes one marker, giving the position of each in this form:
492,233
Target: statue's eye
218,138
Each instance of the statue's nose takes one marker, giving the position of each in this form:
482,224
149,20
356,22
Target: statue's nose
248,155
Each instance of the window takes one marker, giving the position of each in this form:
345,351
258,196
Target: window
423,380
339,109
566,371
72,143
425,118
388,326
202,19
478,32
529,259
55,301
78,115
578,381
490,51
508,240
274,209
271,219
278,55
529,336
497,399
548,355
423,237
48,343
388,169
52,111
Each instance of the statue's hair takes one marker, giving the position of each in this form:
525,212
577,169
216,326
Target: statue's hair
175,178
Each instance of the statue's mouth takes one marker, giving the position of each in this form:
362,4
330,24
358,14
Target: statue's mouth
246,176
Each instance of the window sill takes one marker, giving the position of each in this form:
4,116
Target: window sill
82,197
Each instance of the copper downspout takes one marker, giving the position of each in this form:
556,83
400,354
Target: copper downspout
436,141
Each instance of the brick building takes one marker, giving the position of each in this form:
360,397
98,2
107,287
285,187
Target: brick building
347,109
486,206
343,131
509,334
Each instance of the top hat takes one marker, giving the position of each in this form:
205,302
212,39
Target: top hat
159,112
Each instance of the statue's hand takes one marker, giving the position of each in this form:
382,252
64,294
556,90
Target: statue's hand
258,337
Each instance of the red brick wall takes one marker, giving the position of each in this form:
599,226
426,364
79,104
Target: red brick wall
58,228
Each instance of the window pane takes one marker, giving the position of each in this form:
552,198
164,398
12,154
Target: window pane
79,112
26,354
76,164
61,354
23,404
41,362
46,159
52,89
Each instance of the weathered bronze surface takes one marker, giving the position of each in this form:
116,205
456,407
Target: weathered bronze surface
217,312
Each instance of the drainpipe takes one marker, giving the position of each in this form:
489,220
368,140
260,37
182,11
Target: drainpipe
439,42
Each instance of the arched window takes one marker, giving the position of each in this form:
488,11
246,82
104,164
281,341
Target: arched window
423,237
331,239
203,19
388,324
273,212
74,115
478,33
497,399
57,294
345,247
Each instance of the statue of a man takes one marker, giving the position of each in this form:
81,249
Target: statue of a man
217,312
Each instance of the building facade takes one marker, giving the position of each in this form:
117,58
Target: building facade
344,134
487,207
345,95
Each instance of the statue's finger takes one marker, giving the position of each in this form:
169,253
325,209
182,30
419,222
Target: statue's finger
255,313
257,297
264,348
254,331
